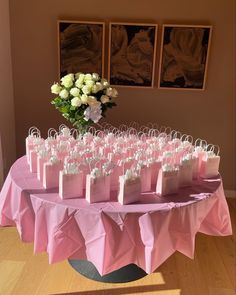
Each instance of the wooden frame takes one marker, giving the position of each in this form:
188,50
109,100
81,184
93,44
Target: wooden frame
184,57
81,47
132,53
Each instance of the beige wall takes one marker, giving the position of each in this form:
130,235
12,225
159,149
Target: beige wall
7,122
209,114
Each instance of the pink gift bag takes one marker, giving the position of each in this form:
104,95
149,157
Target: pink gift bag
40,164
186,173
33,161
115,174
51,174
155,167
210,162
146,178
70,185
98,189
130,190
32,140
210,167
196,171
167,182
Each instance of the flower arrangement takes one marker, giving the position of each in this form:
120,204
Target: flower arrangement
83,99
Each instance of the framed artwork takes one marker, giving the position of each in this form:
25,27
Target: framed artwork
184,56
132,51
81,47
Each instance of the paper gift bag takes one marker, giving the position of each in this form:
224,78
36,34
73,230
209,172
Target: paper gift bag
146,178
51,174
196,171
155,167
98,189
129,191
167,182
210,167
186,173
33,161
115,174
70,185
40,164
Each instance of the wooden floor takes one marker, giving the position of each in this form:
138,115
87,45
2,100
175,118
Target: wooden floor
212,272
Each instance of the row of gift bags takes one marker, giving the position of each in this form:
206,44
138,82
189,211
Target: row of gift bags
164,179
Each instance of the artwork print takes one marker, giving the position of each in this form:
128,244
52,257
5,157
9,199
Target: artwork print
185,51
81,47
132,54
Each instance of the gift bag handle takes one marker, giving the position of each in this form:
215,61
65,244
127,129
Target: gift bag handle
52,133
213,148
34,130
202,143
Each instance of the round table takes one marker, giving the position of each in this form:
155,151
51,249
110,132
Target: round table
111,236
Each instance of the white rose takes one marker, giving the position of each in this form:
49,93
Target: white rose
56,88
111,92
86,89
92,101
95,89
105,83
95,76
114,92
89,83
80,79
105,99
88,77
99,85
76,102
77,75
84,98
79,84
67,80
74,91
64,94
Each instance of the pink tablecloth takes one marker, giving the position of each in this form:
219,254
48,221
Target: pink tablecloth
108,234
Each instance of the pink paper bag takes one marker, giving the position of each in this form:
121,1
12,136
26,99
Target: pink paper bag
40,170
156,166
70,185
167,182
130,190
210,167
115,174
33,161
51,174
98,189
186,173
146,178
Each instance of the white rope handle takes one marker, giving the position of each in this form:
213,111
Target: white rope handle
213,148
34,131
202,143
52,132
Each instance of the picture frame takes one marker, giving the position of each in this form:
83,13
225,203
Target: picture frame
184,56
132,54
81,46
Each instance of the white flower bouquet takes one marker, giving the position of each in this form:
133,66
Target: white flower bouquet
83,98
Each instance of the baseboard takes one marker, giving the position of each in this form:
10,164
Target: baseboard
230,193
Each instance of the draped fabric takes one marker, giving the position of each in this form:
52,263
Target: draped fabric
108,234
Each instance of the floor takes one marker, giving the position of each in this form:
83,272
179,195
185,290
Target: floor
212,272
